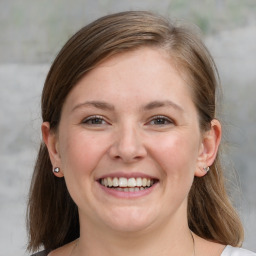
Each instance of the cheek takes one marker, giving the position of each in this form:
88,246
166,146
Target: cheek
81,153
177,153
80,156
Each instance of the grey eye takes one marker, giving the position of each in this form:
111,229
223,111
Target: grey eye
94,120
160,120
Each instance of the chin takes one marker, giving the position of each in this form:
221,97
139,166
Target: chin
130,220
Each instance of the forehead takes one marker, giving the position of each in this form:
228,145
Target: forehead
145,74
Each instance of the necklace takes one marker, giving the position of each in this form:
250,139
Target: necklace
194,247
192,236
74,247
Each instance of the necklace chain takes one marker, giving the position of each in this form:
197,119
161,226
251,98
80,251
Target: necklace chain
74,247
194,247
193,239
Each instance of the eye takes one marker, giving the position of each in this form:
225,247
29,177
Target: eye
160,120
94,120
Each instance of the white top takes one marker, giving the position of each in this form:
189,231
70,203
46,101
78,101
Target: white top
234,251
228,251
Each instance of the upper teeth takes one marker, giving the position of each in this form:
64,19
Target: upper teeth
124,182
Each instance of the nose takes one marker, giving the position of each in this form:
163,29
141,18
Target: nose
127,145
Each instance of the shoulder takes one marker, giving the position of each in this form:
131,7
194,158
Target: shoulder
64,250
42,253
235,251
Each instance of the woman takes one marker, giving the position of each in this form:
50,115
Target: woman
130,164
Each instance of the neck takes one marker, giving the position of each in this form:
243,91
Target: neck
161,241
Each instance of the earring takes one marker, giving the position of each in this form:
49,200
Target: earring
206,169
56,170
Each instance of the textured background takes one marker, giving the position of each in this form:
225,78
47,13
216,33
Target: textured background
32,32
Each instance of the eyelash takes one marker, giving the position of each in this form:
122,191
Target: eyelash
89,120
162,118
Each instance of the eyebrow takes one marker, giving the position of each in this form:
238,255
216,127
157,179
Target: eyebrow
159,104
97,104
106,106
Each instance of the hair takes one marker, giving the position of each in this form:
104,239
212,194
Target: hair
52,216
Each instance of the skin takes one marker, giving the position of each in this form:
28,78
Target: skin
133,115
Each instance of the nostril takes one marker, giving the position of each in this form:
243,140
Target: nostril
127,154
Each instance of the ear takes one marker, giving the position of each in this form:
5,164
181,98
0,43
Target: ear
51,141
208,148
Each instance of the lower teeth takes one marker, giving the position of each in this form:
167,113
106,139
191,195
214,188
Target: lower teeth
129,189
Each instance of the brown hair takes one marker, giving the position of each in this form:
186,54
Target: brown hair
52,215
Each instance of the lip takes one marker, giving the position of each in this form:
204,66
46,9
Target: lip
127,195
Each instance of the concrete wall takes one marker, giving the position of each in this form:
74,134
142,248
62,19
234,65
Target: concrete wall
32,32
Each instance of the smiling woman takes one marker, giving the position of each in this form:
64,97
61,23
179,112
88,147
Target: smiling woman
129,162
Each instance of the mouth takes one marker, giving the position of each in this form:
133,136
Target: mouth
128,184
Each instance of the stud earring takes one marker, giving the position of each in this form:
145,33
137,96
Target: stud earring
56,170
206,169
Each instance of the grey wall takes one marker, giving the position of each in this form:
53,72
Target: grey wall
32,32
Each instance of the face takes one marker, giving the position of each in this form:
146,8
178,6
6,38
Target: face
129,143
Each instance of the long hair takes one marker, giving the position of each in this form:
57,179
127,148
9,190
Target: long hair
52,216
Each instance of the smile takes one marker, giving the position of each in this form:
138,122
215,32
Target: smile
127,184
